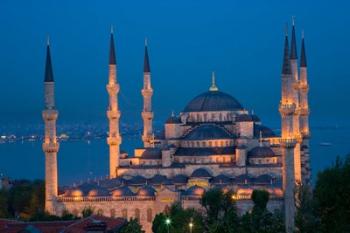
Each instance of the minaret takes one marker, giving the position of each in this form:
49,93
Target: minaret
287,108
50,144
296,117
304,114
147,92
114,140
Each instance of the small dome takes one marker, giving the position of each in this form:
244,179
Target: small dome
173,120
195,191
146,191
200,173
137,180
265,131
261,152
158,179
100,192
221,179
180,179
73,193
208,131
213,101
122,192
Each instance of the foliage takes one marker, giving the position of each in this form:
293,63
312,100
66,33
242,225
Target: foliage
221,215
132,226
87,211
180,219
260,220
4,204
305,218
332,197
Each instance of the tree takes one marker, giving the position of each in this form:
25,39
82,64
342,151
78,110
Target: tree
332,197
132,226
260,220
221,215
4,204
86,212
305,218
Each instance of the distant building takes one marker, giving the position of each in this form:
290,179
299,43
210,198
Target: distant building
213,142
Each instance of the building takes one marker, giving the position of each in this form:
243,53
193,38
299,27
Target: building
213,142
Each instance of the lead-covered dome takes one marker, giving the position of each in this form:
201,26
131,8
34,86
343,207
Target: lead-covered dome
213,101
208,132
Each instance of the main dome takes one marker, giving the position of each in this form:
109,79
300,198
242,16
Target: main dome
213,101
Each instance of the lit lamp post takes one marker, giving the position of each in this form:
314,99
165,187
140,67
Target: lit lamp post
167,222
190,225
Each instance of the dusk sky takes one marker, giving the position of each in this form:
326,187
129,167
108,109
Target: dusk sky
242,41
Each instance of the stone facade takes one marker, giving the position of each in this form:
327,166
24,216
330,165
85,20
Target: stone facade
213,143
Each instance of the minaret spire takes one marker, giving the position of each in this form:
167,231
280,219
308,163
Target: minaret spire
293,50
50,145
114,139
303,62
213,86
48,66
287,109
286,63
147,92
304,114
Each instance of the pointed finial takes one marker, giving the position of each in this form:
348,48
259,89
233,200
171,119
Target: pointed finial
172,113
286,29
293,20
48,40
146,42
213,86
112,29
260,138
302,34
252,111
293,48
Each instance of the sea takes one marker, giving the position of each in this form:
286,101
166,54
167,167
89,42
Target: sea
82,160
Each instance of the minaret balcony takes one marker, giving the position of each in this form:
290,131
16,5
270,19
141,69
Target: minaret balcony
296,85
147,115
303,86
287,109
304,111
51,147
113,88
288,142
113,114
50,114
147,92
115,140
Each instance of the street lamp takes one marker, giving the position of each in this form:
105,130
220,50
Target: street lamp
190,226
167,222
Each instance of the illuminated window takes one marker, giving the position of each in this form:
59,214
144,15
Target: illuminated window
99,212
125,213
112,213
149,215
137,214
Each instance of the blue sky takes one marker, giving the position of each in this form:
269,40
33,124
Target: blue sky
242,41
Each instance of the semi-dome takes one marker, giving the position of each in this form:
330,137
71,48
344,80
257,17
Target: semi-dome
122,192
213,101
195,191
200,173
98,192
146,191
260,152
208,131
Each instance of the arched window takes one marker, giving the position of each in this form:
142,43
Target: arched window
137,214
203,144
112,213
125,213
99,212
209,143
220,117
149,215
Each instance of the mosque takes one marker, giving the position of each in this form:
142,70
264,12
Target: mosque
213,142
